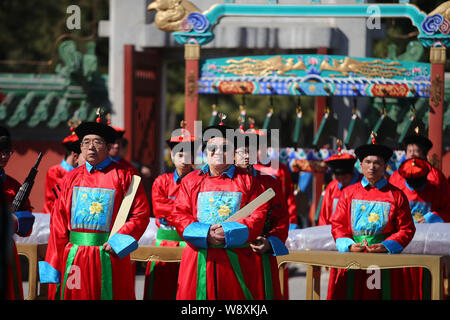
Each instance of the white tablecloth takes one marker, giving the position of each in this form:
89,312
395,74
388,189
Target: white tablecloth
430,238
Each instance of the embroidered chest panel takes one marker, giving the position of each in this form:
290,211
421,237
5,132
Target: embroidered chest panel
92,208
217,206
369,217
419,209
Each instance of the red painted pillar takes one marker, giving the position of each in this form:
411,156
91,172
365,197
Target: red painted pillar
435,118
191,56
319,109
128,105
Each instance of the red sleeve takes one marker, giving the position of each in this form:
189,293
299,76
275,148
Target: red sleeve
139,215
403,220
50,182
182,215
326,212
59,226
340,222
162,205
279,215
289,191
255,221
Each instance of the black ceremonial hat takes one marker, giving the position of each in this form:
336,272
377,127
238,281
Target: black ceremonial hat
374,149
103,130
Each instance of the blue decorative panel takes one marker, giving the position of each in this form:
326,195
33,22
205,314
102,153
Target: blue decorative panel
92,208
217,206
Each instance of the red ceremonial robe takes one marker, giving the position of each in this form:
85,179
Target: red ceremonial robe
430,202
52,179
14,290
330,199
80,224
129,166
281,171
377,213
276,231
161,277
211,272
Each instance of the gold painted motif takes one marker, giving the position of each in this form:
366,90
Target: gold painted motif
236,87
261,68
443,10
436,91
369,69
170,13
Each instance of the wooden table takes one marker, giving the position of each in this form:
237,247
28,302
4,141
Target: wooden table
316,259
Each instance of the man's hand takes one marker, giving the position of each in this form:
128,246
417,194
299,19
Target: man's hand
377,248
261,245
357,247
216,235
364,247
108,248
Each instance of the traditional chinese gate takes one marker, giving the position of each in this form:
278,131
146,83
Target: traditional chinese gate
318,75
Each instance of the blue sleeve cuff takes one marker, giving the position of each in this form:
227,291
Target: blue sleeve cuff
122,244
278,247
196,233
236,234
430,217
25,221
343,244
293,226
48,274
392,246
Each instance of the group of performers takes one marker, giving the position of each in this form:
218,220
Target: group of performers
223,258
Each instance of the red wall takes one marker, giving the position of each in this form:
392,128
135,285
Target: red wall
24,157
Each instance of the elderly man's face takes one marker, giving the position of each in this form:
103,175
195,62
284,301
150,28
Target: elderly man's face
218,152
414,151
94,149
373,168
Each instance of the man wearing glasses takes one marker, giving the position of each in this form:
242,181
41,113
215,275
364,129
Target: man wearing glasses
218,262
80,257
22,221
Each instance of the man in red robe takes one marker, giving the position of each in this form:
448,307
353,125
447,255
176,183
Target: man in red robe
55,173
276,168
343,167
161,277
82,257
115,152
371,216
218,262
418,146
270,243
429,204
22,221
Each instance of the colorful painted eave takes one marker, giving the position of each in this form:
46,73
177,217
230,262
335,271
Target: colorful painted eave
433,29
314,75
